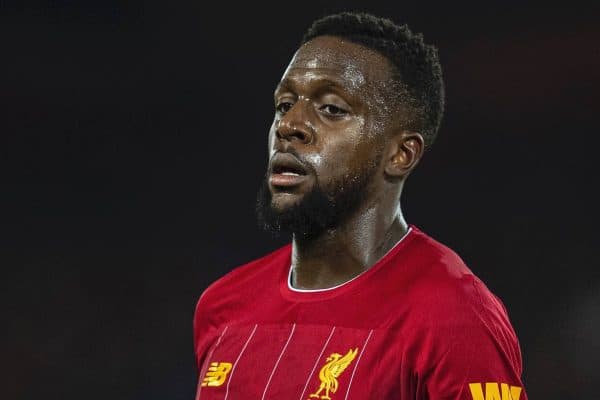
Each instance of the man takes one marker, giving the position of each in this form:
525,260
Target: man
361,305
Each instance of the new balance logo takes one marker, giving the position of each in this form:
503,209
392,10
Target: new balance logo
216,374
495,391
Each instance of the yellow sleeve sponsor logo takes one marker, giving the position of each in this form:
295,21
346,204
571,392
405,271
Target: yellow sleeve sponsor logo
216,374
494,391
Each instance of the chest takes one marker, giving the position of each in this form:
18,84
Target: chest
304,362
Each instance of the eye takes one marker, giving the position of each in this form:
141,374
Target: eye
283,107
333,110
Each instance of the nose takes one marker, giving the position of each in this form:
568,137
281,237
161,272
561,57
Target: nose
294,124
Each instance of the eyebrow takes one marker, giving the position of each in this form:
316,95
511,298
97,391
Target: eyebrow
321,84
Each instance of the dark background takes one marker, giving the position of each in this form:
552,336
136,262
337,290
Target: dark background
133,140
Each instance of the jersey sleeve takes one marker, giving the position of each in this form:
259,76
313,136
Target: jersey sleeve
204,328
471,352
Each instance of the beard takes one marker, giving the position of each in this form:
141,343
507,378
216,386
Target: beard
319,210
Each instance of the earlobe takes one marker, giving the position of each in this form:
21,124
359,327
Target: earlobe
405,153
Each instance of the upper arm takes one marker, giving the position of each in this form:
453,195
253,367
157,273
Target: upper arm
472,352
203,329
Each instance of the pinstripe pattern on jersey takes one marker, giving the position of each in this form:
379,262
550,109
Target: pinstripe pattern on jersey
207,362
317,363
278,359
238,360
364,347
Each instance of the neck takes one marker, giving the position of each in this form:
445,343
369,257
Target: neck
340,254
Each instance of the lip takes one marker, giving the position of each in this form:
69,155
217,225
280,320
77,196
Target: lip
285,170
286,162
286,180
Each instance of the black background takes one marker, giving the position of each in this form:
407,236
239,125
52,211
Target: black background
133,140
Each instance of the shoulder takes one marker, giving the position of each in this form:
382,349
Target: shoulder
247,277
230,293
435,254
451,306
445,286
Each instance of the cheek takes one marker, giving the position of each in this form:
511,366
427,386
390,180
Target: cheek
315,159
379,110
343,153
271,139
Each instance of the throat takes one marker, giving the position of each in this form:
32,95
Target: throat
327,267
320,279
317,287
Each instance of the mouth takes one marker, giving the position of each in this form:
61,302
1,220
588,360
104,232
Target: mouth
286,171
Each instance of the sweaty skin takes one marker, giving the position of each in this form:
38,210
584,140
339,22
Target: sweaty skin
333,108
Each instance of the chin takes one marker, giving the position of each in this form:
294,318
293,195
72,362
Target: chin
284,201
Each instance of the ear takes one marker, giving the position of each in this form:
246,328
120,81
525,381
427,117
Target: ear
405,151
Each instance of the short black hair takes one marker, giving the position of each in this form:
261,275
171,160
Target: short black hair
418,74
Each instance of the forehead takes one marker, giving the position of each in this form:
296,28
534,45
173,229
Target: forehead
348,64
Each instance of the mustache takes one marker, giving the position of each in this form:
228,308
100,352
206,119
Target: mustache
293,152
302,160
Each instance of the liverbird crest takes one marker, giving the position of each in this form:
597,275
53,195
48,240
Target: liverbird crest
336,364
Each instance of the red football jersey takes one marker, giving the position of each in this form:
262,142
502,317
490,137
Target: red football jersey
416,325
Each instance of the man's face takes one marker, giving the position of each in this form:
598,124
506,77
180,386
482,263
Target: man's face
327,137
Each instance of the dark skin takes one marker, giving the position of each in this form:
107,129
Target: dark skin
334,109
